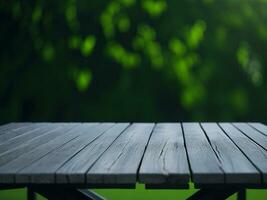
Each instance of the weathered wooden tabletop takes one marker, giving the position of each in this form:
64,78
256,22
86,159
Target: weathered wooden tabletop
127,153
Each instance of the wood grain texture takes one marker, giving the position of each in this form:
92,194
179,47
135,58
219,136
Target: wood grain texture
43,170
6,126
165,159
237,167
11,126
205,167
260,127
120,163
37,131
119,154
253,134
52,132
9,171
75,169
253,151
13,133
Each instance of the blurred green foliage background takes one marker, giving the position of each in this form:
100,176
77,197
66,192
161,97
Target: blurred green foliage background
133,60
129,60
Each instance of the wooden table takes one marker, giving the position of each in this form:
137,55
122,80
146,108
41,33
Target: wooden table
54,159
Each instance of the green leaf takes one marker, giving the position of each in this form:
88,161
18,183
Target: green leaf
126,58
196,34
154,7
88,45
83,79
243,54
177,47
123,24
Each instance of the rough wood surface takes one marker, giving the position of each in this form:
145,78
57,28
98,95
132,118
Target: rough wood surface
36,132
11,126
19,131
162,155
204,164
237,167
253,151
52,133
43,170
260,127
120,163
253,134
75,169
9,170
165,158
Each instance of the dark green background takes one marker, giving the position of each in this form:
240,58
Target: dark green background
130,60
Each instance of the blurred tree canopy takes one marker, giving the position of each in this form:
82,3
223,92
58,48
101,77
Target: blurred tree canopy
130,60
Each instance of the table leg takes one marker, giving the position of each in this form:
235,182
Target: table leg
65,193
30,194
241,195
213,193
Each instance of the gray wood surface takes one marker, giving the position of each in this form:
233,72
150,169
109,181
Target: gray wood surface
165,159
74,170
253,134
120,163
11,126
51,134
13,133
117,154
37,131
260,127
204,164
42,171
6,126
253,151
11,169
237,167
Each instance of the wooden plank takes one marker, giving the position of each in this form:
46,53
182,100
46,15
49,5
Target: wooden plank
205,167
13,133
12,126
113,157
260,127
43,170
52,133
5,127
253,151
253,134
9,170
36,131
74,170
165,159
237,168
120,163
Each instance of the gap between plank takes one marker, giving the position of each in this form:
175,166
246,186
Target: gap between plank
218,159
257,129
106,150
50,151
261,173
140,163
82,148
187,156
249,136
